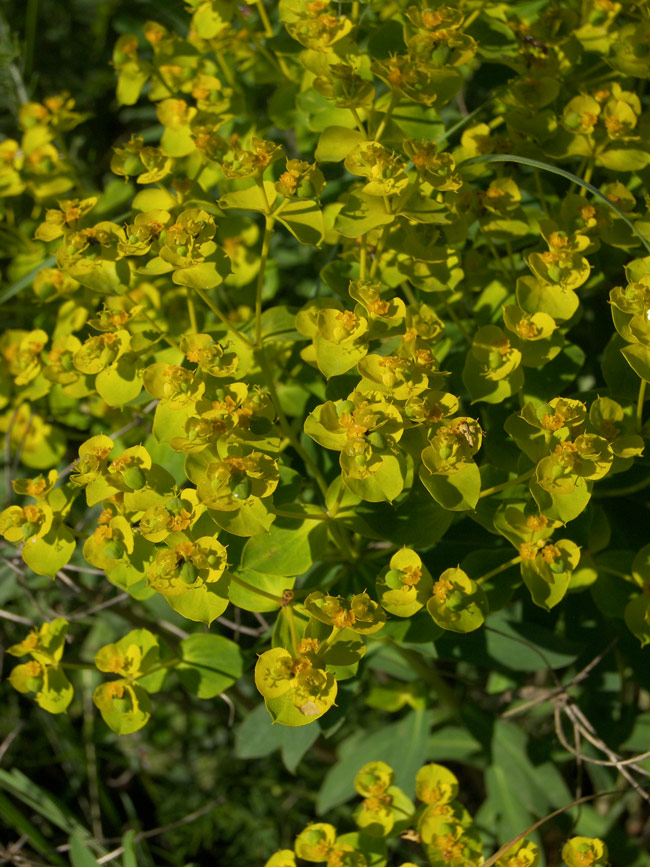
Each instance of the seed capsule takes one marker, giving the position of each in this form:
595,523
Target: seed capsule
134,478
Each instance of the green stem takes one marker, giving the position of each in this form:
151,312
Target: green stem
394,100
496,488
622,492
639,406
286,427
495,255
266,242
247,586
162,333
299,516
342,542
191,311
31,20
329,641
457,321
429,674
540,191
501,568
363,258
209,303
378,252
359,123
268,30
292,628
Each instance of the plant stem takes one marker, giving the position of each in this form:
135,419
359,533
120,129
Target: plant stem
266,242
247,586
329,641
286,427
297,516
501,568
268,30
363,258
359,123
639,406
622,492
162,333
496,488
394,100
209,303
378,252
292,628
191,312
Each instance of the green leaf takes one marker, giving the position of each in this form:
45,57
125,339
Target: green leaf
361,214
130,858
335,143
80,854
250,199
250,600
402,745
304,219
563,173
289,548
26,279
202,604
456,492
512,815
49,553
207,275
209,664
638,357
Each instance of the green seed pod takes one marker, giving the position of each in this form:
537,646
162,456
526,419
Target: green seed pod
133,165
174,506
66,362
445,453
34,684
377,440
29,529
188,572
213,560
456,601
344,406
495,360
114,549
241,490
134,478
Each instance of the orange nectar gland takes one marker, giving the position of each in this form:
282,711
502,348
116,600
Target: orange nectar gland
553,422
348,322
550,553
353,427
32,668
536,522
307,645
343,618
184,550
412,575
31,640
115,663
115,690
527,329
450,849
32,514
35,487
441,589
529,550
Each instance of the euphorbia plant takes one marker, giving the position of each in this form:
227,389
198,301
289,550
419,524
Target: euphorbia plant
342,317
